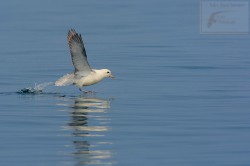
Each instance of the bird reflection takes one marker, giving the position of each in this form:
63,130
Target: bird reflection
89,123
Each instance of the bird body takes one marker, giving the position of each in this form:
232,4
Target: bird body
83,74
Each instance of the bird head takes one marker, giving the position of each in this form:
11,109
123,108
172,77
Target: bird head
107,73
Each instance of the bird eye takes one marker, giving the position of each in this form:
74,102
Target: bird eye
108,72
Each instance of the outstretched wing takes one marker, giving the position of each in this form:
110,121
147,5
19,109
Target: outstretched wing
78,53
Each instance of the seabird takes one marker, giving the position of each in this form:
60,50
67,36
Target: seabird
83,75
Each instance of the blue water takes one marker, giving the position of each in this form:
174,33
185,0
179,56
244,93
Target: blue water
179,98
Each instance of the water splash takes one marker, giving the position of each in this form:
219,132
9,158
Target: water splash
37,89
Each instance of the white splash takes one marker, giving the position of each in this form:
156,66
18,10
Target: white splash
38,88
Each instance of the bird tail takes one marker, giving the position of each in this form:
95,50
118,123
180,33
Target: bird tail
65,80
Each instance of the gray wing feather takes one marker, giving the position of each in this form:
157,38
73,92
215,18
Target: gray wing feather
78,53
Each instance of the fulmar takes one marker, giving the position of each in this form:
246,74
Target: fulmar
83,75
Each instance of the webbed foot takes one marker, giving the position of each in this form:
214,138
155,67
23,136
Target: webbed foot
87,92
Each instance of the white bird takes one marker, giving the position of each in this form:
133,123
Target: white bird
83,75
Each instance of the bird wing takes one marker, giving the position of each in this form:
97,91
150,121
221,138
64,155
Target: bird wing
65,80
78,53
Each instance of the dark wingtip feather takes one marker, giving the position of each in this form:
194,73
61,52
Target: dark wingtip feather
74,36
71,33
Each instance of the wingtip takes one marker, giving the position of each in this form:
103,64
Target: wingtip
71,33
72,30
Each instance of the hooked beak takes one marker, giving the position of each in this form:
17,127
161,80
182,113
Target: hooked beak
111,76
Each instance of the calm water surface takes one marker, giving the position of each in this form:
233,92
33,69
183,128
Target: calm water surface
179,97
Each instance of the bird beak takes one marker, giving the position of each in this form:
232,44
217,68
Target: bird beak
111,76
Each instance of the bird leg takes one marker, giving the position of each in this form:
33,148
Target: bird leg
84,91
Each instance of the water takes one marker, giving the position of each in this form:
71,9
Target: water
179,97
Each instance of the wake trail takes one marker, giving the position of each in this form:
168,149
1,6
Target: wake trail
37,89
